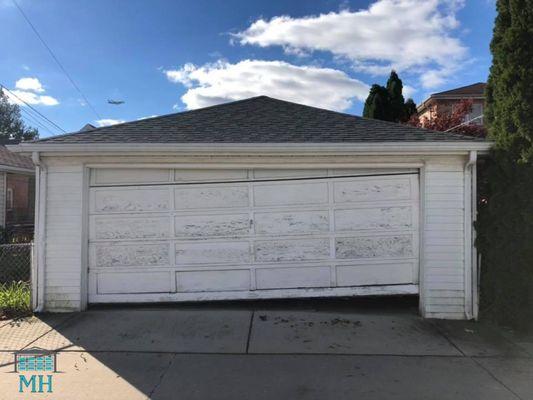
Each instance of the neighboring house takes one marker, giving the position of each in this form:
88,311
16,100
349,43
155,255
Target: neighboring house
17,191
444,102
256,199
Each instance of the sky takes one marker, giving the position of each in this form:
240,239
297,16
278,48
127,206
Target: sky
162,57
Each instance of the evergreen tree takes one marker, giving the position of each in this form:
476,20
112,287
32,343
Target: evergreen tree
377,104
505,229
11,125
409,110
388,103
396,100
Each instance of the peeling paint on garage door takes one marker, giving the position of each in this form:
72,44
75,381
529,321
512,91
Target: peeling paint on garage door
249,232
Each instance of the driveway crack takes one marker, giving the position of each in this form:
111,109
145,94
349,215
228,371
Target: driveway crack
474,360
495,378
250,331
162,376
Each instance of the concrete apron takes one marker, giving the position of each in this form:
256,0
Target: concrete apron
243,353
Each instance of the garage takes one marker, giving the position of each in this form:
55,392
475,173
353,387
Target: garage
255,199
232,234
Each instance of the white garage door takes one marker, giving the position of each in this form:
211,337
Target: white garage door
164,235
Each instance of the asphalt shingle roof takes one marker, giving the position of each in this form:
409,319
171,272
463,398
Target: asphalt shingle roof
10,159
255,120
476,89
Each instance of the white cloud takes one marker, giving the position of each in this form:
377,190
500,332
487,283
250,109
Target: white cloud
149,116
19,97
390,34
29,91
222,82
32,84
108,122
408,91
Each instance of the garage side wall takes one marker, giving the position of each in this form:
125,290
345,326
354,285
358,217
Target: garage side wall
63,233
443,266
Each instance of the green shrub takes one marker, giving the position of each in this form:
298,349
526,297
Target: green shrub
15,300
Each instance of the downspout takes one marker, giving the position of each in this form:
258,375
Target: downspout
40,218
475,262
470,207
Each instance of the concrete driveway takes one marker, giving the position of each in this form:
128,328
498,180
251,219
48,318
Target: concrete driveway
342,349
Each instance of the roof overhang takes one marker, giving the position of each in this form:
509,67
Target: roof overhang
348,148
436,97
17,170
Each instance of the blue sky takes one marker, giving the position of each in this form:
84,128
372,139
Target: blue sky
167,56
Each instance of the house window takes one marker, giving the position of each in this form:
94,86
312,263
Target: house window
9,199
477,111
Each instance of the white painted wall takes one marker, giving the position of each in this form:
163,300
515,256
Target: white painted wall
442,223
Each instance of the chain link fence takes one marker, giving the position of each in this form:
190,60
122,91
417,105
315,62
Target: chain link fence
15,262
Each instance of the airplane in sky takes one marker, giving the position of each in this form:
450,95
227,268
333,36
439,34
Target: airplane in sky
115,102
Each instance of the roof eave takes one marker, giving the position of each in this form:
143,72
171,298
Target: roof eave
403,147
13,169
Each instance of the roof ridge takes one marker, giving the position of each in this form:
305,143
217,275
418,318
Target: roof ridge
156,117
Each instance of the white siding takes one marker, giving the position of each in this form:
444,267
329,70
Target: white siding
63,249
443,287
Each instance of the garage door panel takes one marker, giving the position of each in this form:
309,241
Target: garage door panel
212,225
288,173
375,274
130,228
293,277
133,282
106,176
378,218
211,197
210,233
207,252
213,281
290,194
291,250
210,175
130,200
295,222
109,255
374,247
371,189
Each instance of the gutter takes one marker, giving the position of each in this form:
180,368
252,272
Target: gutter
470,254
352,148
38,270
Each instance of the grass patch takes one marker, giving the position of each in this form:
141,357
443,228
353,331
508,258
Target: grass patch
15,300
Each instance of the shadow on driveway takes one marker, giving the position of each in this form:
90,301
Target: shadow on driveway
342,349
